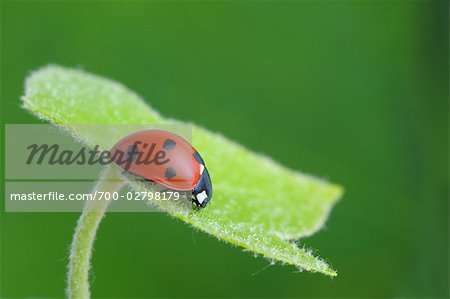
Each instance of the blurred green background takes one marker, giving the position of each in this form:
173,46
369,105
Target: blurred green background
352,91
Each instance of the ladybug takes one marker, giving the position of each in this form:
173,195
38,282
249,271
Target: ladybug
166,159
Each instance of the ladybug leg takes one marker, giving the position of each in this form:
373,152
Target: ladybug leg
150,182
130,174
138,178
125,172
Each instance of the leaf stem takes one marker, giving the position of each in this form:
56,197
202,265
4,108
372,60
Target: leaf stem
84,236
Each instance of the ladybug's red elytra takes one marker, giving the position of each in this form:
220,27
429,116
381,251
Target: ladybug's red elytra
167,159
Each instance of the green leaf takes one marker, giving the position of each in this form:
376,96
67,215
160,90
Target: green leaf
258,204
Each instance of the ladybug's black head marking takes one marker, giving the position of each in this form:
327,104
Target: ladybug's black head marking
202,193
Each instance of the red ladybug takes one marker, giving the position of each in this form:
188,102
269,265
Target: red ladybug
167,159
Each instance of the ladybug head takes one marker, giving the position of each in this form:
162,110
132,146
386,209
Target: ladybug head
202,192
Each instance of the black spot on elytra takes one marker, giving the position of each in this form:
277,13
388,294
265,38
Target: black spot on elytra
169,144
170,172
